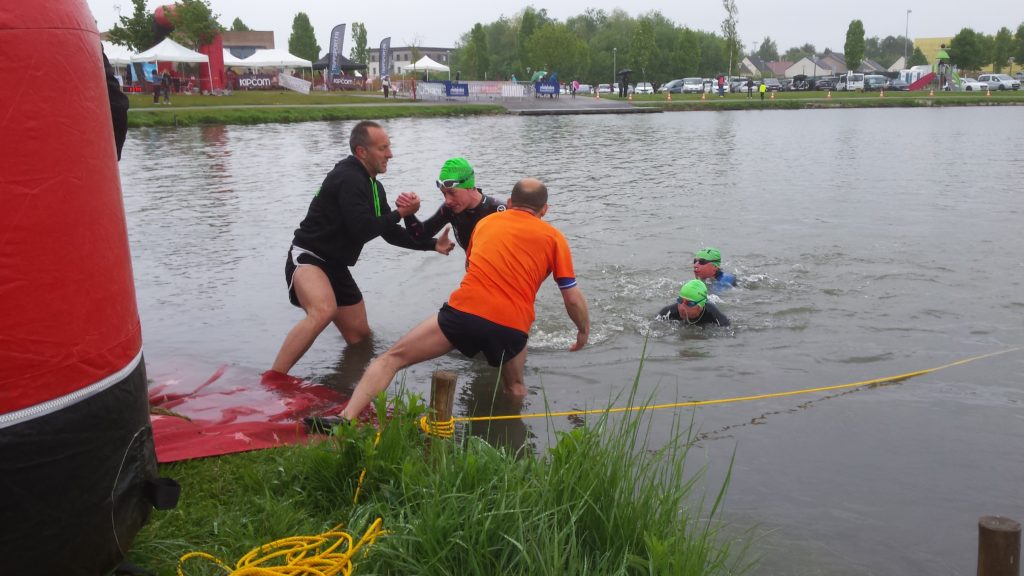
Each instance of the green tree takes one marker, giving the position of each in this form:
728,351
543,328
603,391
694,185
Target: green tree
359,53
135,31
474,57
302,42
686,56
732,41
768,51
554,46
529,21
642,47
854,46
1002,49
1018,45
795,53
917,58
238,26
194,22
966,50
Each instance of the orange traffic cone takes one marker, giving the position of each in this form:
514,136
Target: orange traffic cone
669,96
773,96
597,94
931,92
829,94
703,95
630,97
988,92
881,93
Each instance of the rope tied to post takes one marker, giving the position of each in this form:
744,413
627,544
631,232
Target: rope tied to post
438,428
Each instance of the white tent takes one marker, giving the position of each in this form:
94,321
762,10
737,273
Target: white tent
231,60
427,64
276,59
117,54
170,51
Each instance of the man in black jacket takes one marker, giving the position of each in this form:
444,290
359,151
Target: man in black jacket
348,210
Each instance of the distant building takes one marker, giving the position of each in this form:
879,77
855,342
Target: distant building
752,66
243,44
809,67
834,61
931,46
778,68
898,65
402,56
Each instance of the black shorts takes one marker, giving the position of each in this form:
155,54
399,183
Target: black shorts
346,292
471,334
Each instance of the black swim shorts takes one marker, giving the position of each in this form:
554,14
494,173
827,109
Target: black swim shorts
346,292
471,334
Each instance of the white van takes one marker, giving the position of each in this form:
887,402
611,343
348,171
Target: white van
850,81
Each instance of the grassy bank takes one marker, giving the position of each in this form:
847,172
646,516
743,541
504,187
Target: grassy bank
267,114
601,501
820,100
281,107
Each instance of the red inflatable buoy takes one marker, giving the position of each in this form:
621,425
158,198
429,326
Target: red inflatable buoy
75,439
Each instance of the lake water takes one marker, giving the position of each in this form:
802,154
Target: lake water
868,243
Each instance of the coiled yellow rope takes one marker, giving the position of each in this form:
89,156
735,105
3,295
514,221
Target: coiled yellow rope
438,429
321,555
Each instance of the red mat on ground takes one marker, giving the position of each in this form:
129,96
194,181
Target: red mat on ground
234,410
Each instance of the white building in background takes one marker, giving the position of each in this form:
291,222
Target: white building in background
402,56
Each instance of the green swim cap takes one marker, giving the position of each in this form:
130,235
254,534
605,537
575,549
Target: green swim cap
710,254
456,173
695,291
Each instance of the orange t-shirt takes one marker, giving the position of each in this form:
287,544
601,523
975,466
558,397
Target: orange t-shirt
510,255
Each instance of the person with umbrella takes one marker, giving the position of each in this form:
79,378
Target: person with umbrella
624,81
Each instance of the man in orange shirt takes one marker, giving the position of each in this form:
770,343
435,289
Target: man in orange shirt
510,255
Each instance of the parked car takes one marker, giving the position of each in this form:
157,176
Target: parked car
786,83
999,82
643,88
672,86
604,88
972,85
850,81
737,84
874,82
897,84
772,84
693,85
585,89
825,83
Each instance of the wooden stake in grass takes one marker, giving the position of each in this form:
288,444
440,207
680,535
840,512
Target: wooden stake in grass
998,546
442,399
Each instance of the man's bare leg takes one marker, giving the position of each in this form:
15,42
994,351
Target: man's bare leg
512,376
316,297
423,342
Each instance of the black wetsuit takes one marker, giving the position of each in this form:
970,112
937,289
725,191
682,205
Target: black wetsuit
343,216
463,223
711,315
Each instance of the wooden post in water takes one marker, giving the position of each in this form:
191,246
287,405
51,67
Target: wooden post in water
442,395
998,546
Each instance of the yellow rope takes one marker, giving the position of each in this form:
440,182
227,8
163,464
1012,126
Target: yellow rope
438,429
903,376
302,555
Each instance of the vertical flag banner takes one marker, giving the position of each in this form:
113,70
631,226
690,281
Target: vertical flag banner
337,43
385,57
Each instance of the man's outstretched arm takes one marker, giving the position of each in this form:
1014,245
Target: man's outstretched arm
576,306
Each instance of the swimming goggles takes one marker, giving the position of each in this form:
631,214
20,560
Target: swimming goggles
690,303
442,184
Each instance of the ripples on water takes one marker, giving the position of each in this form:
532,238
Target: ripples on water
868,243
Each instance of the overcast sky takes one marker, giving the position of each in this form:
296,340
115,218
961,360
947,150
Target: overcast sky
440,23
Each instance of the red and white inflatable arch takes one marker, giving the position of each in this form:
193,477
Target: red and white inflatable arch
76,451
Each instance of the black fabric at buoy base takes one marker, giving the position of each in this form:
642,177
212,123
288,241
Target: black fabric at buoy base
74,483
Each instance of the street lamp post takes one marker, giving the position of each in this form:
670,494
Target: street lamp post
906,41
614,52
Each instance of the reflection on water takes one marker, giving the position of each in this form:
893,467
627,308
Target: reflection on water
867,242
